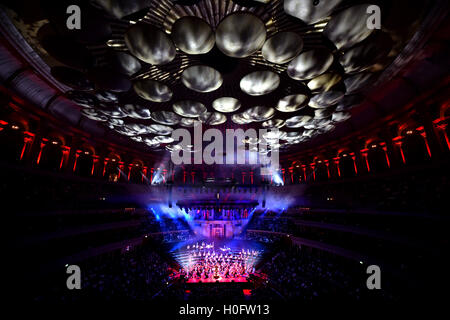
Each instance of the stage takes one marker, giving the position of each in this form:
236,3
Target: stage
217,261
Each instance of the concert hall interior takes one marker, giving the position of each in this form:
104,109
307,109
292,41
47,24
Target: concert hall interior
244,150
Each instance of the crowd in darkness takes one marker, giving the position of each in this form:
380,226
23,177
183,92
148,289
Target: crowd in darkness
133,274
142,274
299,273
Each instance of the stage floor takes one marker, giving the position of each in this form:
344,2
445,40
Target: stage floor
221,279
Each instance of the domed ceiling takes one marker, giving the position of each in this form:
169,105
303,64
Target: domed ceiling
144,68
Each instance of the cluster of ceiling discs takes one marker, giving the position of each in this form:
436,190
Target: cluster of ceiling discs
157,77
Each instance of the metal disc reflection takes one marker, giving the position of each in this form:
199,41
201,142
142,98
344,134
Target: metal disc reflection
322,113
273,123
310,11
238,118
292,103
163,139
325,99
259,113
212,118
94,115
125,131
340,116
138,128
166,117
189,109
260,83
152,90
367,53
310,64
193,35
187,122
201,78
149,44
136,111
151,142
292,136
124,63
226,104
324,82
348,27
298,121
119,9
160,129
282,47
240,35
106,96
113,111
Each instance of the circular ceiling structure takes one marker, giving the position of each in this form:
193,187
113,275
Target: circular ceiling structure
149,67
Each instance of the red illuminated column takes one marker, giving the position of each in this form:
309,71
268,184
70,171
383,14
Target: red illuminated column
383,145
121,167
304,171
243,177
164,174
422,132
105,163
151,174
95,160
144,173
193,176
283,172
130,166
398,142
354,162
441,126
43,144
184,176
27,140
327,163
336,162
313,167
251,177
65,155
291,173
365,154
77,155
